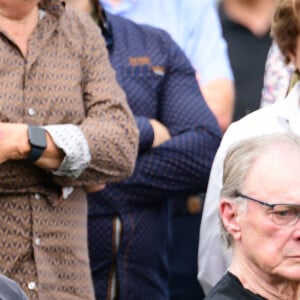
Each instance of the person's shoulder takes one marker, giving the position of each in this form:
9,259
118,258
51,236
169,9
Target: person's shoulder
223,290
75,21
74,15
143,28
80,31
141,32
260,119
230,288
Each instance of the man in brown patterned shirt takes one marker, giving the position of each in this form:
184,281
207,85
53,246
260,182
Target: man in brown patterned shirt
64,124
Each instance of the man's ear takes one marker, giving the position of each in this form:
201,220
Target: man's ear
229,214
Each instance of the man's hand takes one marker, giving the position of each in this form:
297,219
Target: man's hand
14,143
161,132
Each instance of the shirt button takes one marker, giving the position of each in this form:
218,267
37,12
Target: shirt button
37,241
37,196
31,111
31,285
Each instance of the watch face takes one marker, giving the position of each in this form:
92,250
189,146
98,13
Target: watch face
37,137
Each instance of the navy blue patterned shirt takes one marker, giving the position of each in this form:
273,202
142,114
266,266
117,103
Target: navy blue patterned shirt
160,84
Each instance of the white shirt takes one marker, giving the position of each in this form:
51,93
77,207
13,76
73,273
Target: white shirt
282,116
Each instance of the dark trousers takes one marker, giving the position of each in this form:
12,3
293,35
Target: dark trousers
184,256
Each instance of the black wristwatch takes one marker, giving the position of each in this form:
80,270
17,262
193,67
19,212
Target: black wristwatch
37,141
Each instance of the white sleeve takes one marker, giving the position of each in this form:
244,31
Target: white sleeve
71,140
213,257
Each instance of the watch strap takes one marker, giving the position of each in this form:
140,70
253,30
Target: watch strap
37,141
35,153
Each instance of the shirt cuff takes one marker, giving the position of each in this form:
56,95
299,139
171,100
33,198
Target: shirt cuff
72,141
146,134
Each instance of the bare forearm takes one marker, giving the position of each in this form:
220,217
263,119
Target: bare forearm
219,96
14,145
52,156
161,132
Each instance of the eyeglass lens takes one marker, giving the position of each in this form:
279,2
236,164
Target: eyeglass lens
285,214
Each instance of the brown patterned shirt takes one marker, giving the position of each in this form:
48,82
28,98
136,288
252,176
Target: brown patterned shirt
65,78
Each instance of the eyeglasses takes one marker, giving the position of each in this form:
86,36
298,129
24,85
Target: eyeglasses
282,214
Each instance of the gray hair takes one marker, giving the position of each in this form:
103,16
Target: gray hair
240,158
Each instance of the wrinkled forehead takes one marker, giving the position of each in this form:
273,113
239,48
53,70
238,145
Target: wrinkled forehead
276,175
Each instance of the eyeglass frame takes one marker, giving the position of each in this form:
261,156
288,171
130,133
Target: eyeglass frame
271,206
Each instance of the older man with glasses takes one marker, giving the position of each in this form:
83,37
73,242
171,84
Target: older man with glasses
260,209
282,116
